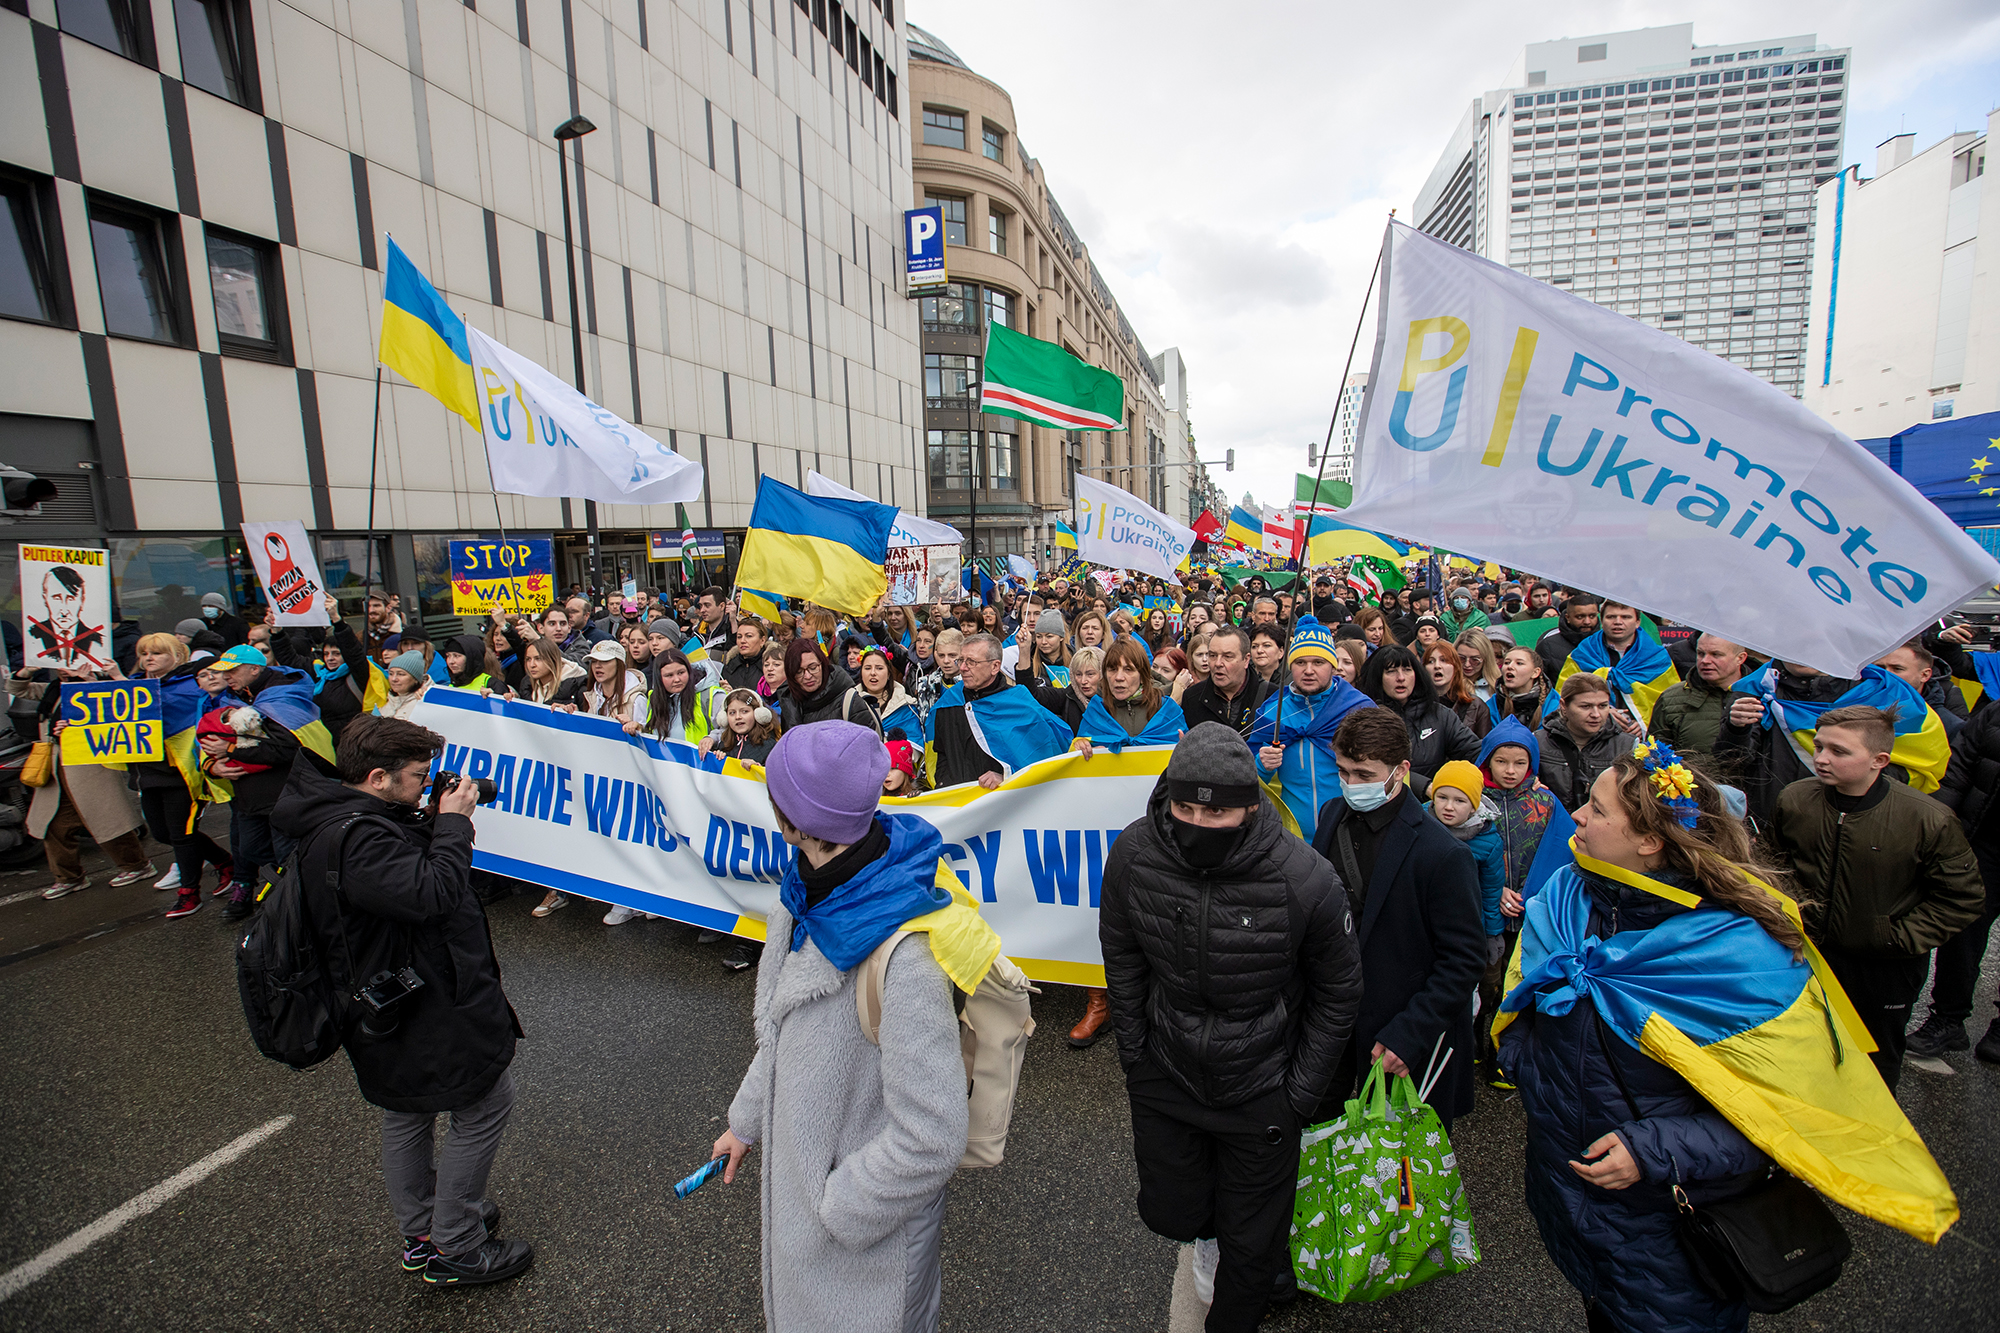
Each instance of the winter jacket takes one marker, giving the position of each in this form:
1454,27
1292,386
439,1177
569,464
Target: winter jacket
257,793
1620,1248
836,697
1555,647
1063,701
97,791
1307,776
1893,878
1202,702
1689,717
857,1139
1438,735
1236,981
1478,719
1765,761
959,756
1523,811
743,673
1481,836
570,684
340,702
1423,950
1569,767
404,898
1972,778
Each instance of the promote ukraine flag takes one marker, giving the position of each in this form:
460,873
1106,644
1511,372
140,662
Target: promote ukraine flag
830,551
423,341
1644,673
1770,1041
1921,747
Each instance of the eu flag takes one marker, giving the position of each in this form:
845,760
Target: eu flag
1953,464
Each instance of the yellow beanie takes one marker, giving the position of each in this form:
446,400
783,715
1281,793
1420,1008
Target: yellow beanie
1464,776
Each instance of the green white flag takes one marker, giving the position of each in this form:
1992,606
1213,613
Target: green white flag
1373,577
1031,380
688,545
1325,497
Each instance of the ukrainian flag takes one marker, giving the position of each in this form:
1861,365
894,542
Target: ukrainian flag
423,341
829,551
1771,1042
1065,536
1331,539
1642,675
764,604
290,703
694,650
1245,528
182,703
1921,746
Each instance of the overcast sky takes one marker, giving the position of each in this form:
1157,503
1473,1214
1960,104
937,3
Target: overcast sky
1231,166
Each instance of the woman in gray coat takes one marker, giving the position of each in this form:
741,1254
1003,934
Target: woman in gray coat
859,1139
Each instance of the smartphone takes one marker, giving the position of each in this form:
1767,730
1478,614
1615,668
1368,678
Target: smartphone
694,1182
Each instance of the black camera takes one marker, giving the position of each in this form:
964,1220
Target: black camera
445,780
382,994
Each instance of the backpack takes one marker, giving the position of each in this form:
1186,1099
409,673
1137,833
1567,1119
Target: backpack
994,1027
289,1000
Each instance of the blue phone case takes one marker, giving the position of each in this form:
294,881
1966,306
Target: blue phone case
701,1177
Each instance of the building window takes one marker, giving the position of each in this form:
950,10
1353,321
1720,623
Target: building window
27,280
950,381
950,459
946,129
996,232
994,142
217,55
135,275
953,210
999,308
124,26
1003,454
160,581
249,295
953,310
892,96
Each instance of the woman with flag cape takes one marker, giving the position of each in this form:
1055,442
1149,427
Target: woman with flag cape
1674,1034
1129,707
172,791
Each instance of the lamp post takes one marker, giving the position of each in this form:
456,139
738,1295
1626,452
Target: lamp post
572,131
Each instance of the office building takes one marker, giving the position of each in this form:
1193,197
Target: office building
1188,490
1347,427
1670,181
1905,320
201,195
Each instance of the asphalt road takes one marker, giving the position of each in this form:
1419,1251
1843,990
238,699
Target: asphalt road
124,1061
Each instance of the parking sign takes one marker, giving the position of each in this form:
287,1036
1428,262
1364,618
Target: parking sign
923,248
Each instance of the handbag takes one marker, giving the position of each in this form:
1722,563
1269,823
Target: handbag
39,768
1770,1247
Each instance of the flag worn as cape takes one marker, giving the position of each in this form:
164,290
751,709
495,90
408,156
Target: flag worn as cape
1642,675
1009,725
1771,1042
1921,746
182,703
1101,729
290,704
1298,724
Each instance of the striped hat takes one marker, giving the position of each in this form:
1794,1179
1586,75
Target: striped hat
1311,639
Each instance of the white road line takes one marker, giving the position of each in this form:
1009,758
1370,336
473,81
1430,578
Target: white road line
15,1280
13,898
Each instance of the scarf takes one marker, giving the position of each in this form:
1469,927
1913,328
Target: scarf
1010,725
1921,746
1099,727
1642,675
855,917
1290,716
324,678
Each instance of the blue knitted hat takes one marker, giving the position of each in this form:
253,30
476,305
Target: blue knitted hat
1311,639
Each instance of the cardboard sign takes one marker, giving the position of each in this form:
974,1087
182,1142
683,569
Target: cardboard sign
114,722
922,575
283,555
517,574
65,607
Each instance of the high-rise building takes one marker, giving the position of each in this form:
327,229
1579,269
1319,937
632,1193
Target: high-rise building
1670,181
1188,491
191,290
1014,258
1347,426
1905,320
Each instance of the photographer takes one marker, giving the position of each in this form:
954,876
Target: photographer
436,1033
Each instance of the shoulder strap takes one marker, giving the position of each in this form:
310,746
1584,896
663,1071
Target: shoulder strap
1343,840
868,981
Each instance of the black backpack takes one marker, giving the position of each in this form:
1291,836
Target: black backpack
296,1015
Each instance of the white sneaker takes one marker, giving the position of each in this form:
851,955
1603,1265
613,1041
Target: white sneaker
170,880
1207,1254
618,916
63,888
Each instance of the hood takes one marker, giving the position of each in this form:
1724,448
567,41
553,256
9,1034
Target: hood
1261,836
898,697
1485,817
1511,732
571,670
310,798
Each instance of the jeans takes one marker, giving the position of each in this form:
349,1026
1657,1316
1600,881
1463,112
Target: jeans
441,1199
170,814
253,843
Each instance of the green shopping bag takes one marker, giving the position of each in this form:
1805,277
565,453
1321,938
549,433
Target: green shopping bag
1379,1206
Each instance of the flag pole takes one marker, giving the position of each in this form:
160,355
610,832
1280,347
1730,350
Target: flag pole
374,452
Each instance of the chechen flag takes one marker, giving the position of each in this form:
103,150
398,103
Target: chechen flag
1031,380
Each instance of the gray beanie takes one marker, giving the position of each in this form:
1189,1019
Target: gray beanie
215,599
190,628
1051,622
1212,766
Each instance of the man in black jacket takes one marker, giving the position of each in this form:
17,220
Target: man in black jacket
388,887
1230,960
1414,890
1579,622
1970,785
1233,692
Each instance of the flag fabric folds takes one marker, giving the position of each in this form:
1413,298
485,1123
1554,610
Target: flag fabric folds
1245,528
688,545
769,606
422,340
1118,530
1949,463
1332,539
1644,673
1037,381
1065,535
1009,725
1374,577
1771,1042
1921,746
1313,496
1101,729
910,530
833,552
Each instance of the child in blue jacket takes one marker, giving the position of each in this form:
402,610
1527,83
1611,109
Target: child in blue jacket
1458,799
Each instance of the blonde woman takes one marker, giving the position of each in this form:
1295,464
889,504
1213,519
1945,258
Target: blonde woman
1484,678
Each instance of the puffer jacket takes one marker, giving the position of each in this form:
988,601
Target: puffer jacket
1481,836
1689,718
1620,1248
1972,778
1438,735
1524,810
1235,981
1569,766
836,698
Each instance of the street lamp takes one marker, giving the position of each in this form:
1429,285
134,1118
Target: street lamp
572,131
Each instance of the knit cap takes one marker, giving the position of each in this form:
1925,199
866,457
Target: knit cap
410,662
1311,639
1463,776
1212,766
1051,622
826,779
190,627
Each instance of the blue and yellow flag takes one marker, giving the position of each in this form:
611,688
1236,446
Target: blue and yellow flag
1065,536
423,341
1922,748
1644,673
1332,539
1009,725
1245,528
1770,1041
182,703
826,550
290,703
767,605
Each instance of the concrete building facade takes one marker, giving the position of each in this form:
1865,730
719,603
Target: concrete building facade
1905,302
1670,181
202,189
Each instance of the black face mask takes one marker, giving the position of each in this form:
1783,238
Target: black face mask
1205,848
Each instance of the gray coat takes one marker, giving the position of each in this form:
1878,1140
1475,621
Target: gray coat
858,1141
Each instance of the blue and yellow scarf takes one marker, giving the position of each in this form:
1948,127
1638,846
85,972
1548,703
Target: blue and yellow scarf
1921,747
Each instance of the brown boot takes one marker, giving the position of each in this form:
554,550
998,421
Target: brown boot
1096,1017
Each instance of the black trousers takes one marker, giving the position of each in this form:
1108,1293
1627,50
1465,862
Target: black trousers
166,810
1882,989
1959,958
1226,1174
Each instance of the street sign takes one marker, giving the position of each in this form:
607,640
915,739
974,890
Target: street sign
924,249
666,545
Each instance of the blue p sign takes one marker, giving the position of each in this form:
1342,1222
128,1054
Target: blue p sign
924,248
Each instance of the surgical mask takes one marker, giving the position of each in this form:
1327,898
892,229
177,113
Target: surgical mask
210,612
1365,796
1460,603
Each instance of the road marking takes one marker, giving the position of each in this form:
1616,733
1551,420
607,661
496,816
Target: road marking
15,1280
13,898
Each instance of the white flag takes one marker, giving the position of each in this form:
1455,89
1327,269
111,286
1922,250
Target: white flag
1117,529
1509,420
545,438
910,530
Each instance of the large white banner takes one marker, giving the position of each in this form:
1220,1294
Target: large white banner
1510,420
545,438
910,529
1117,529
289,571
589,810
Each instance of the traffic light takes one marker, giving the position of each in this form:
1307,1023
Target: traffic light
23,493
1229,460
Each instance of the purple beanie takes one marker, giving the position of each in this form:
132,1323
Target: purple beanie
826,778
